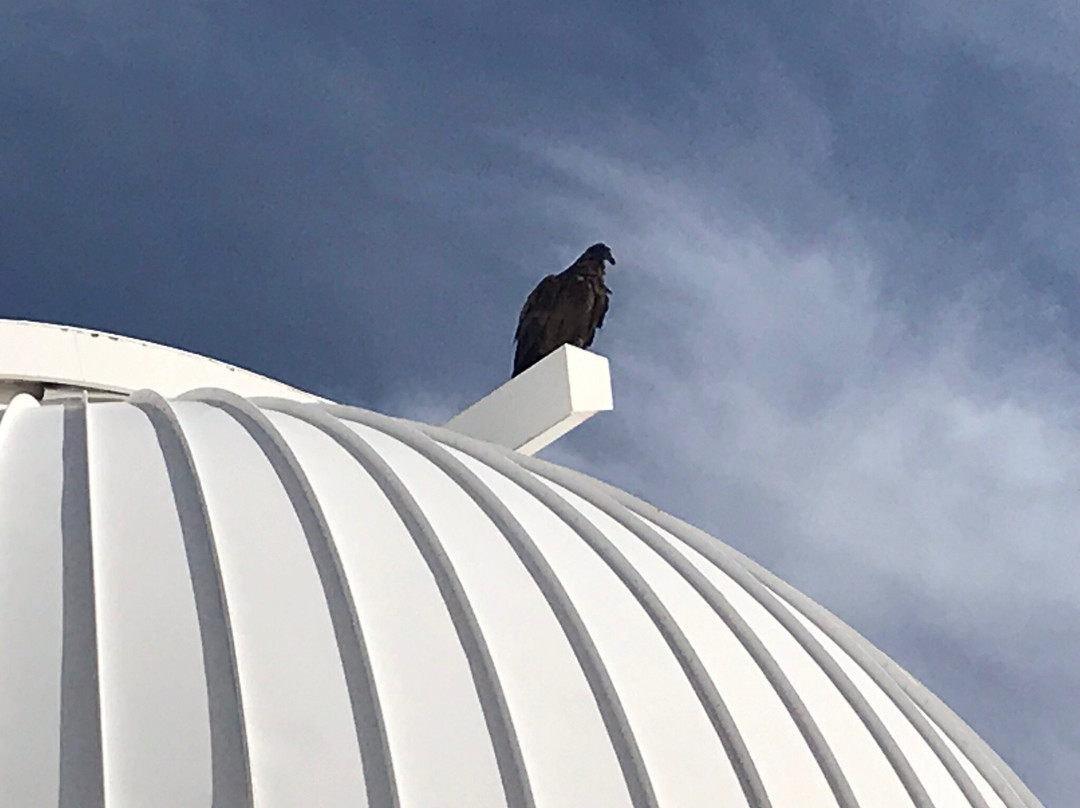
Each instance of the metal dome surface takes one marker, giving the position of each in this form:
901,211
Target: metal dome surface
217,601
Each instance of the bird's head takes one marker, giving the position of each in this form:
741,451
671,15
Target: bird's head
599,252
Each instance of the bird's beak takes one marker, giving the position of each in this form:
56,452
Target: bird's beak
611,258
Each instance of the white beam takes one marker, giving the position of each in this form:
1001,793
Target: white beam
539,406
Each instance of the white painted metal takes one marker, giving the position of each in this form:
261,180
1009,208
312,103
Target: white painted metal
54,362
537,407
153,693
302,746
78,358
31,594
516,634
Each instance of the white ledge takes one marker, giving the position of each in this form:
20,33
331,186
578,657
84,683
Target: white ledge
539,406
40,355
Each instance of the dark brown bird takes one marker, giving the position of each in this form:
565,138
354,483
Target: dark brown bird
564,309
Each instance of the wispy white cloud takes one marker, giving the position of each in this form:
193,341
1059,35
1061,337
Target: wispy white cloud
923,480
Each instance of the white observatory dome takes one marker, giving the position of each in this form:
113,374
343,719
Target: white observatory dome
212,600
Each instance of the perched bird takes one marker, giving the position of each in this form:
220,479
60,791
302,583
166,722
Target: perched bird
564,308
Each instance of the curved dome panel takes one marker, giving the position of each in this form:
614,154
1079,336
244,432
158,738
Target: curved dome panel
216,601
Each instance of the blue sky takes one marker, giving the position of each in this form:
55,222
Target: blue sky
844,333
